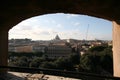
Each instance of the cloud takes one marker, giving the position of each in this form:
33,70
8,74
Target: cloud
47,34
104,37
47,27
69,16
75,34
25,27
53,21
76,24
43,33
59,26
69,34
40,33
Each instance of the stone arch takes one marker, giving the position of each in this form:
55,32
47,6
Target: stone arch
13,12
16,11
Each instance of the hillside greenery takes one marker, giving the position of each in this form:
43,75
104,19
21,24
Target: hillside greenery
96,60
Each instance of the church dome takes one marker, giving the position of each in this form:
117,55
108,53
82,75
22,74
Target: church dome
57,37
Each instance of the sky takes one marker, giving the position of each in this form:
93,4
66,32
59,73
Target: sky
67,26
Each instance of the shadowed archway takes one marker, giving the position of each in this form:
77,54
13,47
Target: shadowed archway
13,12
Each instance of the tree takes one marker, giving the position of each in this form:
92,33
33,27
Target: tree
64,64
99,61
49,65
107,59
36,62
97,49
91,63
22,62
75,59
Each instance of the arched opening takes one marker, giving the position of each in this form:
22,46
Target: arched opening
67,26
14,12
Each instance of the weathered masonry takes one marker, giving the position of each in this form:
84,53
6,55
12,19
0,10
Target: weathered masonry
13,12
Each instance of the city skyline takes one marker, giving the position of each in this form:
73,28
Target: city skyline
67,26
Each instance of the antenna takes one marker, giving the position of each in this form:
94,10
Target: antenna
87,32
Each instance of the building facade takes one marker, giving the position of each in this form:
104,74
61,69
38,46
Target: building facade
55,51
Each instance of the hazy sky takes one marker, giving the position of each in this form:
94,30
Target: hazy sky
46,27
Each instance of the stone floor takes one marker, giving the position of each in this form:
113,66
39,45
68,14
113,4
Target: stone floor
28,76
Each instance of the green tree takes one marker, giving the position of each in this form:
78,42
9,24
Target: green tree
98,61
36,62
49,65
89,62
64,64
97,49
107,59
22,62
74,58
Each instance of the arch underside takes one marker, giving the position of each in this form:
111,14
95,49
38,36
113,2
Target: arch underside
13,12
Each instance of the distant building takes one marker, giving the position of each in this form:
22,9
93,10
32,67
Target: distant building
73,41
11,48
55,51
25,48
38,48
19,41
57,37
110,43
